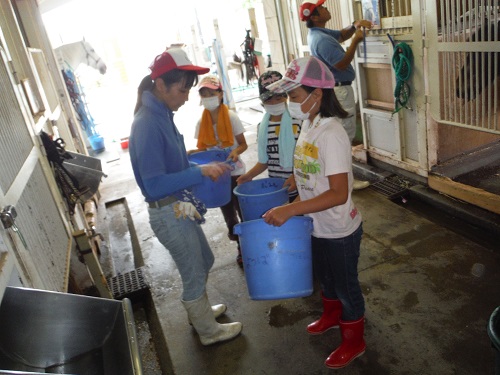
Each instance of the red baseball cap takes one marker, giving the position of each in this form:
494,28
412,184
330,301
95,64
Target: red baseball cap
307,7
173,58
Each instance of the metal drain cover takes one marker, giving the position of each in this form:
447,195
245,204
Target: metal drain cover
128,284
392,187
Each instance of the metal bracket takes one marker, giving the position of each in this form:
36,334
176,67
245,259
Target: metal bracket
8,215
84,246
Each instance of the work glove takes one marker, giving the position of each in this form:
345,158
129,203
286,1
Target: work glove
186,210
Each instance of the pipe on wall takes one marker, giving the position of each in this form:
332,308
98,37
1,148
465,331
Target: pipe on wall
283,36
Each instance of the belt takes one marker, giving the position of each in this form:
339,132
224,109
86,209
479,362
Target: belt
163,202
343,83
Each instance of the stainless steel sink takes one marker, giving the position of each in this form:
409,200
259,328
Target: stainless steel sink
50,332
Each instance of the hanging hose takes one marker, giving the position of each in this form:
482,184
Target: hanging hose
402,61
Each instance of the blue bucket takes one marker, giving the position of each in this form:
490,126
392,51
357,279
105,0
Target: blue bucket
212,193
277,260
96,142
258,196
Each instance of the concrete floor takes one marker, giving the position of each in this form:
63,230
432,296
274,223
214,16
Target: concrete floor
426,313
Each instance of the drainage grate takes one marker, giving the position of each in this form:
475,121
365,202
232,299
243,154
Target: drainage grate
128,284
392,187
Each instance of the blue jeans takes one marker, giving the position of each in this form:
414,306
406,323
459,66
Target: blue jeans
188,246
335,264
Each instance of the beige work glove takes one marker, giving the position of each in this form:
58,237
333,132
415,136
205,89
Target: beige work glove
186,210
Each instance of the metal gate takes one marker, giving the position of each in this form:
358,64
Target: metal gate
464,47
34,250
395,137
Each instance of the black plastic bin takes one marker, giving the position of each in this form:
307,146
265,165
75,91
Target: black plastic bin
494,333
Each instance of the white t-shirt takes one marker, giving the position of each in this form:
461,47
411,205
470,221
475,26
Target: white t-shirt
323,149
238,129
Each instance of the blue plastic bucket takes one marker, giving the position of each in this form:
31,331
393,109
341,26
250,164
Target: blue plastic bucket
258,196
212,193
97,142
277,260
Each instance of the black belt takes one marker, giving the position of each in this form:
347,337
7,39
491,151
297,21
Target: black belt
343,83
162,202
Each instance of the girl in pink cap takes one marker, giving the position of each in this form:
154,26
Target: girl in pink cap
323,176
220,128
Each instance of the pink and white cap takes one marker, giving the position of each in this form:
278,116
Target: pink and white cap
308,71
173,58
211,82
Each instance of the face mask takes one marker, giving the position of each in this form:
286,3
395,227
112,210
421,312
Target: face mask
210,103
296,109
275,109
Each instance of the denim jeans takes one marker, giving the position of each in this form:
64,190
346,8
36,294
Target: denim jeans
188,246
335,264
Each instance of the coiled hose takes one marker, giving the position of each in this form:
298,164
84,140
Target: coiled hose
402,62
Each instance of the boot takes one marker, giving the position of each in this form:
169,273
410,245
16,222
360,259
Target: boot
358,184
201,315
332,309
218,310
352,346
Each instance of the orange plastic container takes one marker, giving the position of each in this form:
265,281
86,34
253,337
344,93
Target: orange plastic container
124,143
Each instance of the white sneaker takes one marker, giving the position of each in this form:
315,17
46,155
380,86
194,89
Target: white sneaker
358,184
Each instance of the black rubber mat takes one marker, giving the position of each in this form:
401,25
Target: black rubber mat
128,285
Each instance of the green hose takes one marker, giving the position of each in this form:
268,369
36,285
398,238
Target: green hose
402,61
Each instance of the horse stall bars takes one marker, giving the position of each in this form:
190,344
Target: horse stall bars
395,13
396,8
469,63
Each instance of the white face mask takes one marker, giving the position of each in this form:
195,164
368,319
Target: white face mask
275,109
210,103
296,109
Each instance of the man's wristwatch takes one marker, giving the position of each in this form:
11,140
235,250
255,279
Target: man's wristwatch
353,26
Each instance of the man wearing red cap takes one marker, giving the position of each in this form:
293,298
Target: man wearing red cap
325,44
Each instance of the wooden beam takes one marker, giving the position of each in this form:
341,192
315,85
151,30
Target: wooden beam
376,66
379,104
470,194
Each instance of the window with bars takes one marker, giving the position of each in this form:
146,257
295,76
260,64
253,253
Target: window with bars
386,14
395,8
469,63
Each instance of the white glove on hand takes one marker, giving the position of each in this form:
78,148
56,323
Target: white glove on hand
186,209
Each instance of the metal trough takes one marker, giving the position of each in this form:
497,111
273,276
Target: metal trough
51,332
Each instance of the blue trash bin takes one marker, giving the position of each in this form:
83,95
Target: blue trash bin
277,260
97,143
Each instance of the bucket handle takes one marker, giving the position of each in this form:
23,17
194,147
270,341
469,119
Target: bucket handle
310,222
